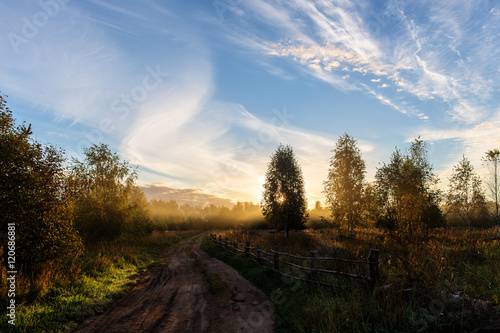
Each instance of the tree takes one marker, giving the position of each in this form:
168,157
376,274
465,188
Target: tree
284,202
370,205
492,158
465,195
344,185
406,190
111,203
34,196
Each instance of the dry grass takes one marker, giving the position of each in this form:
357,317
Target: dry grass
447,255
449,261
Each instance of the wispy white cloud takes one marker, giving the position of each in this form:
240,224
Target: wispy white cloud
473,141
165,130
130,14
62,135
330,42
278,16
329,57
276,71
386,101
68,67
451,55
429,56
339,23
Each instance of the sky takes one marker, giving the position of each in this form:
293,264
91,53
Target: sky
199,94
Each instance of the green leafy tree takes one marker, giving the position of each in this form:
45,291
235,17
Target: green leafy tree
110,202
34,196
406,188
492,159
284,203
344,186
465,195
370,207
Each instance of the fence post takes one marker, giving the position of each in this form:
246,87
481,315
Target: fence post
276,258
314,265
235,246
247,248
227,246
259,254
373,259
220,240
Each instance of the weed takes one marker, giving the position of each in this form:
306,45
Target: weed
217,286
419,276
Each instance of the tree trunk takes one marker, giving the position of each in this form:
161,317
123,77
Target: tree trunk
286,223
496,196
351,225
497,217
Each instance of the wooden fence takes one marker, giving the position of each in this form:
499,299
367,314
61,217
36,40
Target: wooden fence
275,259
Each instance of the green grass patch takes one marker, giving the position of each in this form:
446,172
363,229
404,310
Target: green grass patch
105,274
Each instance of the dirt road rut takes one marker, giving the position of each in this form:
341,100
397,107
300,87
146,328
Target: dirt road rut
176,296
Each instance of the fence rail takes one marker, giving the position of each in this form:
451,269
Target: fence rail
273,257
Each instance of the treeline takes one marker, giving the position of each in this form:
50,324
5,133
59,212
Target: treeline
169,215
404,198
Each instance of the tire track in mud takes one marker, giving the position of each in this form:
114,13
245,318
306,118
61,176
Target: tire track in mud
174,296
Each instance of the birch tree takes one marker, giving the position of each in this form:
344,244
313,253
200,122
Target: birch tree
492,159
465,195
344,185
406,188
284,202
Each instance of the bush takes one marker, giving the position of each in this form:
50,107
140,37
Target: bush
33,197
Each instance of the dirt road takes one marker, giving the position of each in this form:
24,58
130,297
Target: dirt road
188,291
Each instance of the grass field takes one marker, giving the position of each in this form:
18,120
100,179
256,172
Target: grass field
446,283
66,294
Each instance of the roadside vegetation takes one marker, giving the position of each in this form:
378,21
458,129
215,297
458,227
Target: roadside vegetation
66,293
449,283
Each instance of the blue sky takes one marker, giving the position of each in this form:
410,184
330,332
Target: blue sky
200,93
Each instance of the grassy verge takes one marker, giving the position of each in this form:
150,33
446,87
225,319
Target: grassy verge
82,287
266,280
217,286
410,305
